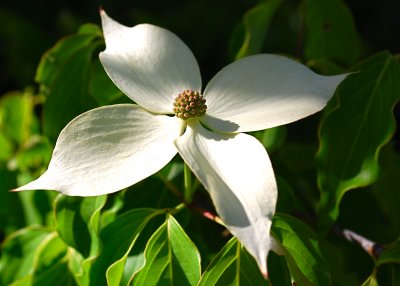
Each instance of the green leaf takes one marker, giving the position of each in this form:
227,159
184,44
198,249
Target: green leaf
171,258
271,138
77,221
50,263
69,93
78,224
325,67
390,255
301,251
64,75
256,22
59,55
330,32
103,90
385,194
11,217
16,110
6,147
118,239
35,154
353,130
18,253
278,272
233,265
36,206
371,281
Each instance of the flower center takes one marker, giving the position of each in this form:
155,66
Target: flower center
189,104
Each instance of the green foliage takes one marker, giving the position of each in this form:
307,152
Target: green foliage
330,32
232,266
354,128
300,249
144,235
255,25
170,258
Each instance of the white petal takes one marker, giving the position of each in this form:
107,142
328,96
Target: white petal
149,64
107,149
236,171
265,91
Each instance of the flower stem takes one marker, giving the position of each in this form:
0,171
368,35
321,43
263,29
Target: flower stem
188,192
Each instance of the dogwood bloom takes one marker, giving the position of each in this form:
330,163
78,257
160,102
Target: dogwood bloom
113,147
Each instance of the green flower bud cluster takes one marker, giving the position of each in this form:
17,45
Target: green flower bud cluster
189,104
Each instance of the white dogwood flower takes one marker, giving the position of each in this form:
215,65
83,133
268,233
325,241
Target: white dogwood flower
110,148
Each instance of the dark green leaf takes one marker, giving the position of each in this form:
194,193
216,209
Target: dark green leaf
118,239
300,248
59,55
385,192
353,130
233,265
171,258
330,32
11,217
69,92
278,272
271,138
77,221
325,67
36,206
256,22
103,90
390,255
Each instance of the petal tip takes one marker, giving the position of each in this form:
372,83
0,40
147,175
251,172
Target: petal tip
264,274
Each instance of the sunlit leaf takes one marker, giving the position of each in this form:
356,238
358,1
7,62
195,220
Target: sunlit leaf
271,138
301,250
6,147
170,257
50,263
330,32
233,265
18,253
16,110
69,93
61,53
64,75
371,281
355,127
35,154
118,238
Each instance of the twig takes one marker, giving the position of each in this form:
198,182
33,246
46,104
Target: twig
373,248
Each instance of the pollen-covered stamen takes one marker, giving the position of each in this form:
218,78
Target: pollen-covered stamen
189,104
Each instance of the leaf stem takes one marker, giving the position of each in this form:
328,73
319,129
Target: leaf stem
188,192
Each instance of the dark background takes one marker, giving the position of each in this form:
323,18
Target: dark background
29,28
